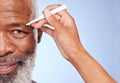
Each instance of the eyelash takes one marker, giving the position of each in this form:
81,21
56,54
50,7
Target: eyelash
20,31
19,34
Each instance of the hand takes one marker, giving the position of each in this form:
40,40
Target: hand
67,39
65,33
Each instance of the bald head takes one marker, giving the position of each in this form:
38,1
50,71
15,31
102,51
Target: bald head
27,7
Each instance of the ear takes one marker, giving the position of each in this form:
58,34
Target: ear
39,35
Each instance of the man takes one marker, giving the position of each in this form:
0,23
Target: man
18,43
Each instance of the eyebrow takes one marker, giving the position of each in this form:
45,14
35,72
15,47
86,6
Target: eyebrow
17,24
20,25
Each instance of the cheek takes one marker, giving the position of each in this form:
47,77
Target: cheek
26,45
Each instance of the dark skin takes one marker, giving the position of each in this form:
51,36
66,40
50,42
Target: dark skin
16,39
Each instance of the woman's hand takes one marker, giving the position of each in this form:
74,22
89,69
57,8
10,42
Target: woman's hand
66,37
65,32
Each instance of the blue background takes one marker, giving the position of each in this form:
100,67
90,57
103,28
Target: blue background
98,23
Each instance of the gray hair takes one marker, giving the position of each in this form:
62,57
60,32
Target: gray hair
35,6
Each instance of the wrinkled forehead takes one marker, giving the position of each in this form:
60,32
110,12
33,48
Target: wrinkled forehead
20,6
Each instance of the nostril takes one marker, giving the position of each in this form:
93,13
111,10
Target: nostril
3,53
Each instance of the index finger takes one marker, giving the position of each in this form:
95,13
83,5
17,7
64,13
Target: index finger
61,11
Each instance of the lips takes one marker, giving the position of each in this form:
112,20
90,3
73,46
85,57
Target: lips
7,67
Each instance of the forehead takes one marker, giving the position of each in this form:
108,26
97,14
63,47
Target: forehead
16,6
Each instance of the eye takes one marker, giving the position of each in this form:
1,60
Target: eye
18,34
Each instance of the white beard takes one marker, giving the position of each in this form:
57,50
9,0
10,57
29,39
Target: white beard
23,74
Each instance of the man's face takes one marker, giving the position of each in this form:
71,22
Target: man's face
17,42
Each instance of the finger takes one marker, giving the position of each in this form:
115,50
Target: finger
62,13
52,20
33,24
58,17
51,7
47,30
39,24
42,22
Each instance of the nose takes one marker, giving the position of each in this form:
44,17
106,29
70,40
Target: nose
6,47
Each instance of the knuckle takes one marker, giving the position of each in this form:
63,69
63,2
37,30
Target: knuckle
53,6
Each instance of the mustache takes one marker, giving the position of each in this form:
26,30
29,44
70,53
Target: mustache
12,59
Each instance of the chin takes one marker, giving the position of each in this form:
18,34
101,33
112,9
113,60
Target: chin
23,72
